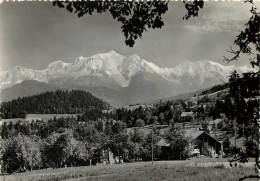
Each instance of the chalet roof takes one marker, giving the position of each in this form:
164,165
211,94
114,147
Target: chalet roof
184,114
192,134
199,134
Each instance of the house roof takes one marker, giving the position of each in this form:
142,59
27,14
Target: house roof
202,134
192,134
184,114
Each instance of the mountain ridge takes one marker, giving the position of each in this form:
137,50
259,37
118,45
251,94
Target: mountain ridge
126,79
112,64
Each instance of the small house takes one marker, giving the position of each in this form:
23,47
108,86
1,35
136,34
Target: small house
205,143
187,117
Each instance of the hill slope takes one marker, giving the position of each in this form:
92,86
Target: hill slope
58,102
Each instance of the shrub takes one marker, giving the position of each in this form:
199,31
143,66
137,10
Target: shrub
226,146
220,125
139,123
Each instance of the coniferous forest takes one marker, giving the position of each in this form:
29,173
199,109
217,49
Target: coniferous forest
58,102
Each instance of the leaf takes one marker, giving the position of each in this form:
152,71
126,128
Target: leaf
69,8
81,14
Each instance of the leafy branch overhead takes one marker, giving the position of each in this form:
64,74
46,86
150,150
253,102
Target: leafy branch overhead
193,8
135,16
248,38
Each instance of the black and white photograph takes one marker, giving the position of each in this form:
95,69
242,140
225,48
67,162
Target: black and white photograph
133,90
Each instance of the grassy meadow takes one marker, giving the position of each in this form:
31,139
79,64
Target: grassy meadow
197,169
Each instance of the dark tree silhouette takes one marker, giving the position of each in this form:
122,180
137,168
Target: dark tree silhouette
135,16
57,102
244,95
244,91
193,8
248,39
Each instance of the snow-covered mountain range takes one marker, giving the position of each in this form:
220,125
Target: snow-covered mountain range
111,74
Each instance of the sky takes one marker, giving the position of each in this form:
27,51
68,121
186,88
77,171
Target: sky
34,34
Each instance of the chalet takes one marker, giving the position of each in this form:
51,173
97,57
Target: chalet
200,143
205,143
187,117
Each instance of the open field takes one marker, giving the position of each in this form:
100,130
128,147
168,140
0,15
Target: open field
42,117
46,117
196,169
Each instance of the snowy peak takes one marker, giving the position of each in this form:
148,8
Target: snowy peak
119,69
205,66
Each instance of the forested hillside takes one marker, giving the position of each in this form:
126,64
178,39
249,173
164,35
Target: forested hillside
58,102
125,131
215,89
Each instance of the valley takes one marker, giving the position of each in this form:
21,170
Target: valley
97,133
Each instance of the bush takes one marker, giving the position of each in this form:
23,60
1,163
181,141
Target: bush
139,123
234,150
226,146
251,148
220,125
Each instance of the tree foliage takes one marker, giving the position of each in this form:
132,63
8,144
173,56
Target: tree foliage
20,152
135,16
248,39
57,102
178,144
244,98
61,148
244,92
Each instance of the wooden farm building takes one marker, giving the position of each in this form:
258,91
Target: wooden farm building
206,144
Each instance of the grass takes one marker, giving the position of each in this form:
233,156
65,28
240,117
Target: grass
197,169
43,117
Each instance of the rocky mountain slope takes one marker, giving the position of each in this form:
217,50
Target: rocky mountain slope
118,79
